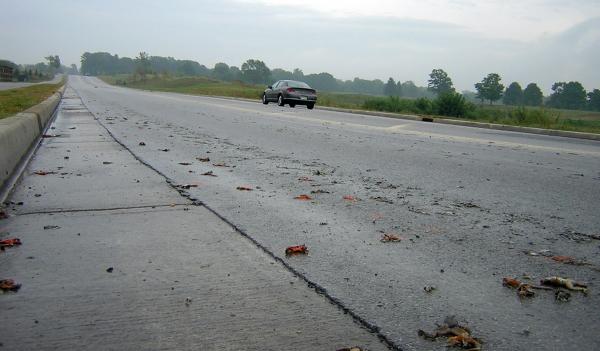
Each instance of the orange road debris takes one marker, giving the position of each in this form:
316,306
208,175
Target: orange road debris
386,238
9,243
9,285
564,259
296,250
303,197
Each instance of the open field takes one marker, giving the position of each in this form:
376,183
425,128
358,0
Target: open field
13,101
538,117
213,87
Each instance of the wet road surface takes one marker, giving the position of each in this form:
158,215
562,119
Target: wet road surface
471,206
114,258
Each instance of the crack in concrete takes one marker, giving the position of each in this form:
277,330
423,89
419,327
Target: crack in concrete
376,330
102,209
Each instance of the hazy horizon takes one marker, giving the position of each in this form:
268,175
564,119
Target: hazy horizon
526,41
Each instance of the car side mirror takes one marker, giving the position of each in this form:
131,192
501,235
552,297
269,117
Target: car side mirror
270,87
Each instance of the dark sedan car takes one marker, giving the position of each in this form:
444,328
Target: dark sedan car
290,92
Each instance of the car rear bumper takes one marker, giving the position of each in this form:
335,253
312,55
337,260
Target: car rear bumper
301,100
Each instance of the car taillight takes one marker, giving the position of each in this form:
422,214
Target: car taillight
290,90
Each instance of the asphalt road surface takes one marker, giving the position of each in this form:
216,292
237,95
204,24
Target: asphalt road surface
470,206
15,85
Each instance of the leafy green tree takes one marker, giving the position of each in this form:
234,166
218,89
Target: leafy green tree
390,88
235,73
532,95
513,95
409,89
297,74
439,82
569,95
142,65
255,71
490,88
399,91
53,61
594,100
221,71
321,81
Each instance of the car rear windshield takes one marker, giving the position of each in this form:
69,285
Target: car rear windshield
294,84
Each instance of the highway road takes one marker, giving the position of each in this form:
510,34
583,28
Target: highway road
470,206
15,85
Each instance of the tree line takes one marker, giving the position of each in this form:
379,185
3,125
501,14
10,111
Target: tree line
39,71
565,95
251,71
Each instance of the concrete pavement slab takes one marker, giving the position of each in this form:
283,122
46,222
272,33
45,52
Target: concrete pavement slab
241,299
146,274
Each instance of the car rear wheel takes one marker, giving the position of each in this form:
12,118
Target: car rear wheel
264,99
292,105
280,101
310,106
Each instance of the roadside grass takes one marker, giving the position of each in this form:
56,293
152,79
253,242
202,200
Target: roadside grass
13,101
452,107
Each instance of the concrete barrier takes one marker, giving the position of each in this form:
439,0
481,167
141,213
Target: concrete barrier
46,108
19,133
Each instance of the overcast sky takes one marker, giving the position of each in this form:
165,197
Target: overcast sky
541,41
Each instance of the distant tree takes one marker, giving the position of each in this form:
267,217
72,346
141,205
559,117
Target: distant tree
439,82
409,89
53,61
74,69
490,88
594,100
281,74
399,91
513,95
532,95
297,74
321,81
235,73
255,71
221,71
374,87
470,96
142,65
390,88
569,95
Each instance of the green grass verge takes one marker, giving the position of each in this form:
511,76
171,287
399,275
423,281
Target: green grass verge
13,101
536,117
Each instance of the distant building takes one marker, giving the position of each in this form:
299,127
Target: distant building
6,73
